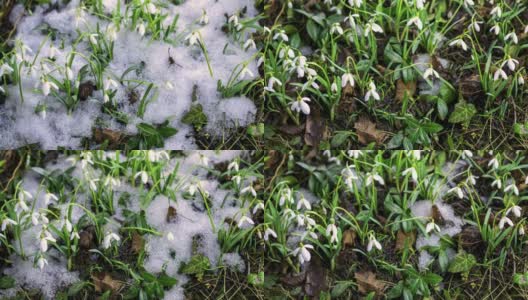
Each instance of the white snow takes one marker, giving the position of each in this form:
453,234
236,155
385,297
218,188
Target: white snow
21,125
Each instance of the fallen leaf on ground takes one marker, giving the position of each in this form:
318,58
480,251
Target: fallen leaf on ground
315,130
104,282
171,214
315,278
405,90
349,238
405,240
437,215
114,138
137,243
367,132
367,283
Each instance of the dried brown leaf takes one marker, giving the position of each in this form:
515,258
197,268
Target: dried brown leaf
367,132
367,283
405,89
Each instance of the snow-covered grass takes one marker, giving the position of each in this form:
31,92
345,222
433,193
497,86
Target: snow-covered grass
170,212
170,57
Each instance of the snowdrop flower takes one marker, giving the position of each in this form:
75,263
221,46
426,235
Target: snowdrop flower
259,206
471,180
521,230
494,163
459,43
496,12
47,86
169,85
356,3
456,190
68,225
372,92
526,29
505,220
495,29
516,210
250,44
303,202
7,221
34,218
269,232
373,243
193,38
170,236
347,78
467,154
236,179
420,4
512,36
374,177
107,241
336,27
246,72
42,262
93,184
191,189
416,21
469,3
475,25
520,80
371,26
233,20
249,190
499,74
111,32
109,82
143,175
416,154
204,19
69,73
312,234
331,231
282,35
351,20
412,171
53,51
432,227
286,196
497,183
93,38
151,8
301,105
430,72
512,187
271,82
355,153
141,29
302,253
74,236
204,160
46,237
245,220
5,69
333,87
233,166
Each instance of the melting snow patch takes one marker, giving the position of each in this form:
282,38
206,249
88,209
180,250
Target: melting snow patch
44,120
48,281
